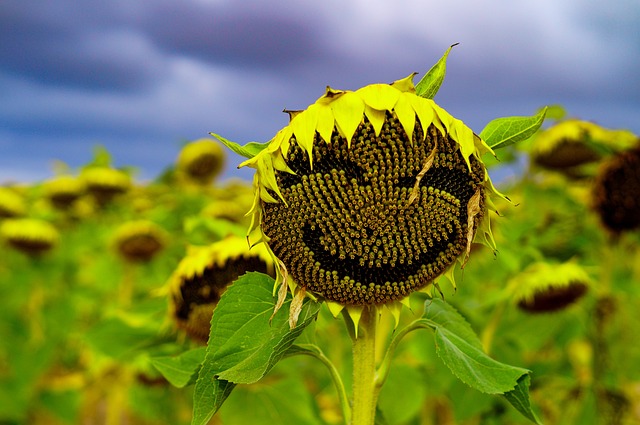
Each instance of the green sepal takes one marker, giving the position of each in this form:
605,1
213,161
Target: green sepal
506,131
432,80
249,150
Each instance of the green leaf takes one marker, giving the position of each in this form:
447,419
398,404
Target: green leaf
506,131
245,343
519,398
460,349
180,370
209,394
432,80
249,150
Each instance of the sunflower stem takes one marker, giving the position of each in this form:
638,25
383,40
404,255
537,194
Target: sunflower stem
365,391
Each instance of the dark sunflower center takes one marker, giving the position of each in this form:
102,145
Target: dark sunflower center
351,231
209,287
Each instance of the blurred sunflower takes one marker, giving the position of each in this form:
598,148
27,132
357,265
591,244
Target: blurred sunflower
571,144
616,192
203,276
104,183
139,241
368,196
63,191
546,287
201,161
11,203
31,236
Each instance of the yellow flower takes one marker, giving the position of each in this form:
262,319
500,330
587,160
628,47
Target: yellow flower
572,143
11,204
105,183
139,241
63,191
202,277
29,235
201,161
545,287
368,196
616,192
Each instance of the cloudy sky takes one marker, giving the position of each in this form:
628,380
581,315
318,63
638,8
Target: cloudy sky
142,77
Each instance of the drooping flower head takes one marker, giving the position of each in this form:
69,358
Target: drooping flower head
545,287
616,192
63,191
203,276
201,161
31,236
11,203
139,241
368,196
105,183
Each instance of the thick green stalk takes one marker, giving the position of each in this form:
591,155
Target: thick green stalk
365,392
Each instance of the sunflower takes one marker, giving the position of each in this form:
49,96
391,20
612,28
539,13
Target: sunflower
139,241
202,277
616,192
201,161
31,236
104,183
11,204
546,287
368,196
570,144
63,191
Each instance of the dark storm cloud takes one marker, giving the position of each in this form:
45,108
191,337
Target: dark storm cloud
115,46
251,36
70,44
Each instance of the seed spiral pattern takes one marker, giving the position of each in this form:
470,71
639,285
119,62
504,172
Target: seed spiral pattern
350,230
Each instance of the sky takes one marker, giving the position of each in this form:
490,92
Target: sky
143,77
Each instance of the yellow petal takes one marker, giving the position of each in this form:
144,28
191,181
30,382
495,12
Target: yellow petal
406,115
424,110
325,121
376,118
335,308
355,312
406,84
348,111
304,128
381,97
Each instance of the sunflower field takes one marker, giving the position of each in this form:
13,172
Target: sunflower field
386,265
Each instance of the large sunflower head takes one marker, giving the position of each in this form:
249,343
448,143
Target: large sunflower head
203,276
368,196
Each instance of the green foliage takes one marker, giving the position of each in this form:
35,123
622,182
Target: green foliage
246,342
181,370
503,132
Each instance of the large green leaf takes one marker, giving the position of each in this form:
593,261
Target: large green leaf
432,80
461,350
245,343
506,131
180,370
519,398
249,150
